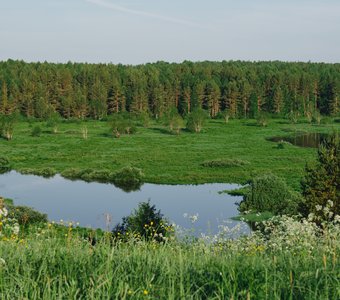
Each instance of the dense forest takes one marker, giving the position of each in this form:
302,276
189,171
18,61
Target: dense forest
243,89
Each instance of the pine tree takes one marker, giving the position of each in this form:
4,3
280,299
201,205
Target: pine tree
322,182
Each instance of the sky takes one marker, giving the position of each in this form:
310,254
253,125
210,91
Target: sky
142,31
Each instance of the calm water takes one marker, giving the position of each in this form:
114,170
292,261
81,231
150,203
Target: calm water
89,203
310,140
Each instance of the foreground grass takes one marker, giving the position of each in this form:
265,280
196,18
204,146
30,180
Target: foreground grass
167,158
55,267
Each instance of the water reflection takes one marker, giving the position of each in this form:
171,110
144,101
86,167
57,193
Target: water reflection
309,140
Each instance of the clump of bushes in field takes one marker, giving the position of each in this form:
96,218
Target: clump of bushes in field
269,193
5,165
7,126
36,131
145,223
121,124
26,215
173,121
127,178
262,119
196,120
282,144
44,172
224,163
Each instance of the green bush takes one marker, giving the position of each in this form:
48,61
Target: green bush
128,178
26,215
224,163
196,120
145,222
262,119
97,175
45,172
282,144
321,184
36,131
269,193
4,164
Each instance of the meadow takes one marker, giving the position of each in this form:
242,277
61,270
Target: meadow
187,158
289,258
52,262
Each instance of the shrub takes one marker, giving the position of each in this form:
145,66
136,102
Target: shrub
36,131
45,172
262,119
269,193
121,124
196,120
4,164
282,144
53,122
173,120
128,178
26,215
145,222
7,125
224,163
322,182
97,175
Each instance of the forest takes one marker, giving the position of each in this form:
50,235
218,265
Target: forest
242,89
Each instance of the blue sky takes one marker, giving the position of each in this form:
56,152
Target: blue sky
140,31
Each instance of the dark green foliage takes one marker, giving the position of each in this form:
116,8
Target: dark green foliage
145,222
7,125
269,193
242,191
224,163
53,122
88,175
95,91
36,131
196,120
4,164
173,120
128,178
122,124
45,172
26,215
262,119
322,182
282,144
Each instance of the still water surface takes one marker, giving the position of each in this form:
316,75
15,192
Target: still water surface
308,140
90,203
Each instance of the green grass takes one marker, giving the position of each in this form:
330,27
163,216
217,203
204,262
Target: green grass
163,157
48,265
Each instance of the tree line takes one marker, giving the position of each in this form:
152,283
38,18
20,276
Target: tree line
242,89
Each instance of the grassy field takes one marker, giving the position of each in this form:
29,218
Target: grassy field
164,157
46,264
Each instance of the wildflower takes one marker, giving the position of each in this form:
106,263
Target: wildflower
145,292
129,292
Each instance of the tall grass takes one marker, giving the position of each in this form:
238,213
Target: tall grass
49,264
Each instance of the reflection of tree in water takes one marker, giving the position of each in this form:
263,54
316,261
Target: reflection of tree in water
309,140
128,187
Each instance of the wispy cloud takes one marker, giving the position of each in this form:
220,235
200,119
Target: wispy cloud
126,10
